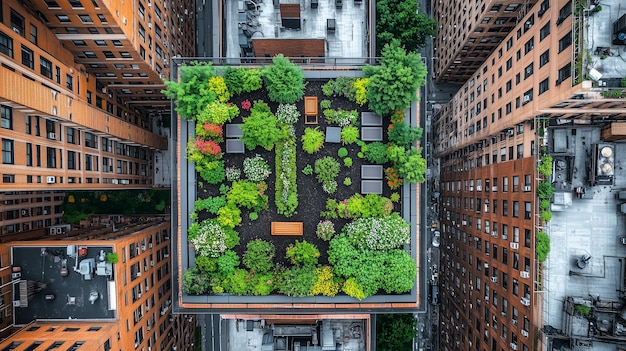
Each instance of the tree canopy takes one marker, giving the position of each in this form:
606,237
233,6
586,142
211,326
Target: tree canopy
395,332
398,19
393,85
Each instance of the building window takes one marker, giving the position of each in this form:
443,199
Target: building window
509,64
7,116
29,154
528,71
565,42
6,45
520,151
544,85
509,108
86,19
528,96
76,4
18,23
91,140
71,160
89,96
564,12
69,80
28,57
530,44
7,152
45,67
509,86
33,34
51,157
8,178
544,31
38,155
564,73
57,70
544,58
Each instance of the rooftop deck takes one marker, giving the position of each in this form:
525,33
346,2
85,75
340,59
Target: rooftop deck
63,297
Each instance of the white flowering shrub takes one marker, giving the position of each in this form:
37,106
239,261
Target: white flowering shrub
256,169
287,113
379,233
232,173
207,238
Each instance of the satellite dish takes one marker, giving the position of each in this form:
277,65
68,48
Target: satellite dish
621,36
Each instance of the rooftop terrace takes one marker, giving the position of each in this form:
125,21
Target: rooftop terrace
70,289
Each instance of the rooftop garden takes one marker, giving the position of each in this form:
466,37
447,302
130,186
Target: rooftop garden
305,178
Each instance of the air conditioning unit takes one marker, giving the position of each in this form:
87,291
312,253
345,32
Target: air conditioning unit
494,279
16,303
524,274
139,273
526,99
150,25
464,222
526,187
124,181
24,212
166,255
513,346
494,234
151,263
16,30
479,188
486,265
525,333
114,181
511,132
525,301
494,188
139,294
514,246
148,327
52,136
16,275
143,247
51,179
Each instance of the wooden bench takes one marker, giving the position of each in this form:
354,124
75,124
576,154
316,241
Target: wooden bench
286,228
310,109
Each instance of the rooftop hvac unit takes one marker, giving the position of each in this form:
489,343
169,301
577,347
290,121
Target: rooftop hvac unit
51,179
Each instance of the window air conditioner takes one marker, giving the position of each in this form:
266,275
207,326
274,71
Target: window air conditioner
52,136
514,246
526,187
51,179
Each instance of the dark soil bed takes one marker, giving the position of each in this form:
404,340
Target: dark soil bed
311,197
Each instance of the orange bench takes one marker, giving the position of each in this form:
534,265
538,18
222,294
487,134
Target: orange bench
286,228
310,109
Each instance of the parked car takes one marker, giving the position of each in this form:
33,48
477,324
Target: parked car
436,238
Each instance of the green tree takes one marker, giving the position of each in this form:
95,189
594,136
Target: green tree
395,332
393,84
284,81
398,19
542,247
192,93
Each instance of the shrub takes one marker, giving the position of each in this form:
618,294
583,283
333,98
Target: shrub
340,117
392,84
359,206
326,170
253,216
232,173
325,230
256,169
284,81
287,113
302,253
252,80
545,166
545,190
395,197
229,216
328,89
212,172
352,289
307,170
349,135
360,90
227,263
191,93
218,86
583,310
297,281
286,197
542,247
378,233
347,181
234,79
246,105
236,283
260,128
546,216
261,284
325,104
212,204
312,140
218,112
331,209
402,134
232,237
207,238
347,162
199,150
325,283
206,264
209,131
329,187
393,179
224,189
112,257
248,194
544,204
376,152
195,282
259,256
342,152
399,272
